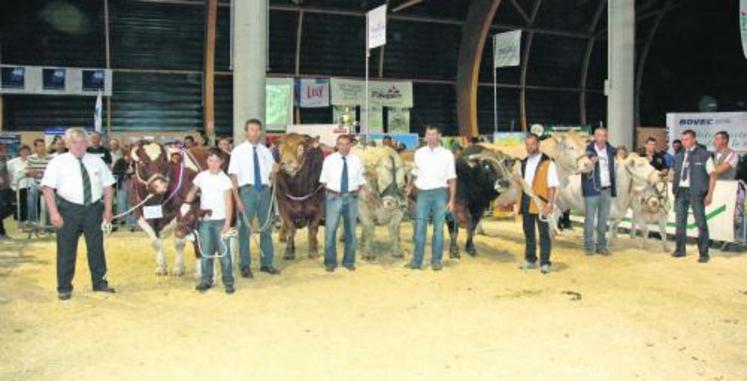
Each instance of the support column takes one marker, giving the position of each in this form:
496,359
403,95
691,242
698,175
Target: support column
249,29
621,72
208,72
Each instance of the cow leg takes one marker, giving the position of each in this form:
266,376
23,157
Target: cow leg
282,234
663,232
179,259
313,241
198,260
290,243
453,233
644,230
367,237
157,246
470,244
394,235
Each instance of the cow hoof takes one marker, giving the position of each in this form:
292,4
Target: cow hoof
313,255
398,254
179,272
289,256
369,257
454,254
161,271
471,251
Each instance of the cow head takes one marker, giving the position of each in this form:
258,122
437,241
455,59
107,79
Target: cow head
386,174
151,166
493,168
569,151
292,150
641,171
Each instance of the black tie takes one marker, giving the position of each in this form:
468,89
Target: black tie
686,167
86,183
344,179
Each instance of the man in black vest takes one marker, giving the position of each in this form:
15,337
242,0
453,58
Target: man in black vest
692,186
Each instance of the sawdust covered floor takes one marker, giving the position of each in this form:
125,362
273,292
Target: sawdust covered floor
636,315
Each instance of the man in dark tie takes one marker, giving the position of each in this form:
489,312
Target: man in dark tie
250,168
342,176
74,185
692,187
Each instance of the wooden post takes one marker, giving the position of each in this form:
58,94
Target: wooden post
208,76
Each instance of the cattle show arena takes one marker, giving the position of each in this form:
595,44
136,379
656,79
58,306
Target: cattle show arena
637,314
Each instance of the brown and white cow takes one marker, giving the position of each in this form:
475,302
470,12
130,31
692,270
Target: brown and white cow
299,194
162,178
382,201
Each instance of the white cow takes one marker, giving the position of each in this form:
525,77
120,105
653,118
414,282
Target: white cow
651,205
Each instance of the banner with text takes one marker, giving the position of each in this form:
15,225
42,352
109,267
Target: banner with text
507,49
707,124
351,92
313,93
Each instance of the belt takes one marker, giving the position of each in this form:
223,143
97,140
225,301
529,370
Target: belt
354,193
93,203
252,186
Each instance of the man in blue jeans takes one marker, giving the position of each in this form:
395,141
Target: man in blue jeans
342,176
435,179
598,188
250,169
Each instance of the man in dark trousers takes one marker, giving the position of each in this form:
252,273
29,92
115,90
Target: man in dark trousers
541,175
77,187
692,187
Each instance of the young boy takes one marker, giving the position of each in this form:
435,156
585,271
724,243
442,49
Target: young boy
215,196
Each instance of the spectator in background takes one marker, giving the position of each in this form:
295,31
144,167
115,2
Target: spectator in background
98,150
656,159
224,144
622,153
115,150
123,171
387,141
19,182
677,146
58,146
189,141
37,164
725,159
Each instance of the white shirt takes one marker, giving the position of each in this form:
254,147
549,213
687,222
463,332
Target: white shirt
604,166
213,189
732,159
685,183
242,163
433,168
531,169
63,174
17,174
332,172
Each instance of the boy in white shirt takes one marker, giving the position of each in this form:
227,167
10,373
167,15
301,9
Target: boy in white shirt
215,196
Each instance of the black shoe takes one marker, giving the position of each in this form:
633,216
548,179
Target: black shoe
329,269
270,270
603,252
203,286
412,267
350,268
437,266
678,254
64,295
230,290
104,289
246,273
704,259
589,252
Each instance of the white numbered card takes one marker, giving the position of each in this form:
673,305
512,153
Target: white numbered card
152,212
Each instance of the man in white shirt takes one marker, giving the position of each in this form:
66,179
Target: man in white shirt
74,184
21,181
598,188
250,168
541,174
435,179
725,160
342,176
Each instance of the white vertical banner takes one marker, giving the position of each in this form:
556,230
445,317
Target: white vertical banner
376,25
97,114
507,49
743,24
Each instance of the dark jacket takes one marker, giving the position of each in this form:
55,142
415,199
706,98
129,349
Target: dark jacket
698,175
590,185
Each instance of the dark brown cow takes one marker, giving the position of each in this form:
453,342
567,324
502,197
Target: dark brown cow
299,194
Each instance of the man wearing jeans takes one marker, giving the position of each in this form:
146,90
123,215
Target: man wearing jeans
342,176
598,188
694,180
250,168
435,179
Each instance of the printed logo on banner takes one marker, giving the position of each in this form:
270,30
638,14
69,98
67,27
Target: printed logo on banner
706,125
314,93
